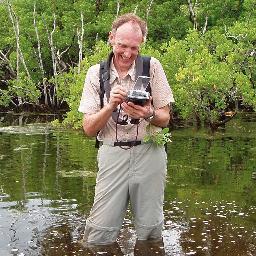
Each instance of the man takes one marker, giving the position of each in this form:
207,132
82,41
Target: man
129,169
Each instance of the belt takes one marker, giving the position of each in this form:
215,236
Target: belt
122,143
127,143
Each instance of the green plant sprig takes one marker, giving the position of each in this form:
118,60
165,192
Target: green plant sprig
159,138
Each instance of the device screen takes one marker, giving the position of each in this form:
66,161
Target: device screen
141,83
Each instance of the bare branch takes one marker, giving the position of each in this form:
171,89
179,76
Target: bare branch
80,35
40,59
205,25
54,59
192,13
149,8
61,64
17,44
117,8
53,95
60,54
135,9
38,43
16,28
4,58
236,38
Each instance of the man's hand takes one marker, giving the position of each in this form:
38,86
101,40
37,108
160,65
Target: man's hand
117,95
161,115
92,123
137,111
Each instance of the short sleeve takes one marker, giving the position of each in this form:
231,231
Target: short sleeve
161,90
90,100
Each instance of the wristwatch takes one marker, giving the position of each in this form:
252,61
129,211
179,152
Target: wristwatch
151,117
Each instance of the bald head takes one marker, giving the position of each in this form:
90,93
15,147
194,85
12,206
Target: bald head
135,22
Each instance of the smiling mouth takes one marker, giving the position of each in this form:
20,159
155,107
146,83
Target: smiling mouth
125,59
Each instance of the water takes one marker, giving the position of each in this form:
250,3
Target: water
47,180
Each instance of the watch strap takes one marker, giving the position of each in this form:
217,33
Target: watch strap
151,117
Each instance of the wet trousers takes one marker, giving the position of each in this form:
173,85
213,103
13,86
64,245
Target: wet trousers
136,175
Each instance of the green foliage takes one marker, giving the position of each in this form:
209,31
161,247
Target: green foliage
5,98
167,20
159,138
24,89
206,73
74,86
210,71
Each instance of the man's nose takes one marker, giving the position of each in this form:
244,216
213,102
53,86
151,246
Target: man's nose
127,53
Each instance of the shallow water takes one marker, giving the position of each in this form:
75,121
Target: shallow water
47,180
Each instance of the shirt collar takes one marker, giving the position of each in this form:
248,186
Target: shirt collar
114,75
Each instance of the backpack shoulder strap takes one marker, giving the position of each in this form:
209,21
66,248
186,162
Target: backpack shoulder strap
104,76
104,85
101,94
146,70
142,66
102,89
146,65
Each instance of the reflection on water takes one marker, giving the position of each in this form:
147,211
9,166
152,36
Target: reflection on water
47,180
217,228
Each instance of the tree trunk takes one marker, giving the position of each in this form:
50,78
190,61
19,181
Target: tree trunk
205,25
80,35
15,23
4,58
40,60
117,8
149,8
53,95
192,13
97,7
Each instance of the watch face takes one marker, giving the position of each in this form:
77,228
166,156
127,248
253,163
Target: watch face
151,117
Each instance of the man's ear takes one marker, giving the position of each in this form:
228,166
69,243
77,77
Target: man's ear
110,38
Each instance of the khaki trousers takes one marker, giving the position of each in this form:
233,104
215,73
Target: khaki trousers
136,175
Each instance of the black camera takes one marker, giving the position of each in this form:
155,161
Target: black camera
138,97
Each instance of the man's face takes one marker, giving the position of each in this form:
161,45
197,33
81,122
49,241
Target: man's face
125,42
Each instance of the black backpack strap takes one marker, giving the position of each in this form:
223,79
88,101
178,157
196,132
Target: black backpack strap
104,76
146,70
102,90
146,65
101,94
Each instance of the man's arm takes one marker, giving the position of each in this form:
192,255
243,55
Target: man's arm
92,123
161,117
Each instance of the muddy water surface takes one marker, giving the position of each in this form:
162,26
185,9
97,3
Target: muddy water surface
47,180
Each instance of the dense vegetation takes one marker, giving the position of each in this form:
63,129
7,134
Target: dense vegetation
207,49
